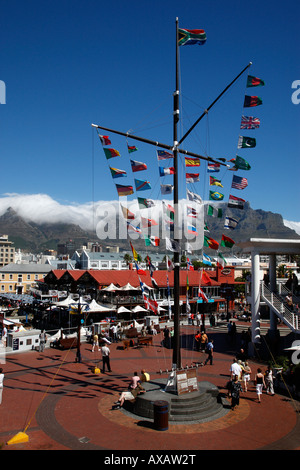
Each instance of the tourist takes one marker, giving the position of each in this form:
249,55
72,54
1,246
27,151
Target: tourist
259,383
43,340
114,331
269,381
204,341
129,395
135,380
209,351
145,377
1,384
167,340
105,358
235,369
235,389
198,340
95,342
246,371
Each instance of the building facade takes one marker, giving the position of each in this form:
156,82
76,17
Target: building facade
7,251
19,278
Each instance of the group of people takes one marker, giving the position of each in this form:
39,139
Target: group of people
241,374
135,388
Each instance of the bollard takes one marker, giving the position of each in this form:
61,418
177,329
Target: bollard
161,415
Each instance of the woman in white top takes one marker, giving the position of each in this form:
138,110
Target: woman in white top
1,384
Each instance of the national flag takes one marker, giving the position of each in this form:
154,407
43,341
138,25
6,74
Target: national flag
216,196
127,213
213,167
191,212
192,230
152,240
211,243
236,202
136,257
206,259
250,122
230,223
254,81
137,166
226,241
221,261
131,148
115,173
246,142
166,188
215,182
169,225
205,278
241,164
169,210
163,155
189,265
140,271
202,295
147,222
206,229
192,177
110,153
172,245
145,203
193,197
104,139
189,37
133,228
166,171
169,263
124,190
190,161
238,182
251,101
214,211
142,185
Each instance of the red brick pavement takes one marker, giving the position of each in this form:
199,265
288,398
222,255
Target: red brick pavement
63,405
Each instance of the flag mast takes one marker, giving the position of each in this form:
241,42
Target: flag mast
176,338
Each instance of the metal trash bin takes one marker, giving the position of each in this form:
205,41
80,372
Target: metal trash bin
161,415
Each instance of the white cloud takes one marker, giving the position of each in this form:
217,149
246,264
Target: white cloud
293,225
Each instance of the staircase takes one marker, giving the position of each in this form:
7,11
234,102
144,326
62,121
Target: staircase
199,408
279,307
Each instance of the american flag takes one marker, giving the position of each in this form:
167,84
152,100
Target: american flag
249,122
238,182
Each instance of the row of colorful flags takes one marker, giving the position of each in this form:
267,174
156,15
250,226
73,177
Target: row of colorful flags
239,163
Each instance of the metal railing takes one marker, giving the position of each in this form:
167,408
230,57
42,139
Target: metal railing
274,301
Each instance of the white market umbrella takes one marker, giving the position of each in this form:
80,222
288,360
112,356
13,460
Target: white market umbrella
138,308
128,286
110,288
123,310
95,307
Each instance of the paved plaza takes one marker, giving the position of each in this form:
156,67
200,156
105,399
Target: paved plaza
63,405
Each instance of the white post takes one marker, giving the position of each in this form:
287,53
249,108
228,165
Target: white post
255,301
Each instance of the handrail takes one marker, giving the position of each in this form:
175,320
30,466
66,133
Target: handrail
290,318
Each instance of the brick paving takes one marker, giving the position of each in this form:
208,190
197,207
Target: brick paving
63,405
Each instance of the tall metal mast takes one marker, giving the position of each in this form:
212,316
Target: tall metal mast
176,338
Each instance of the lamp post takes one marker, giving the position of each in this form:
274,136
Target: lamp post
78,354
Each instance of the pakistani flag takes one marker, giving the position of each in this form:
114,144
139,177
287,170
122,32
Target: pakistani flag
246,142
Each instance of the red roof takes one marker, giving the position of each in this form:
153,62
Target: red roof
122,277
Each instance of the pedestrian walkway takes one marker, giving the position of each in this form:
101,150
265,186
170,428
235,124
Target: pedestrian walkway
62,404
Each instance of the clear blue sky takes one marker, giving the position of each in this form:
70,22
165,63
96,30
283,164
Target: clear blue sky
67,64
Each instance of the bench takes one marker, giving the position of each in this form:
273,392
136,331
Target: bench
65,343
127,343
145,340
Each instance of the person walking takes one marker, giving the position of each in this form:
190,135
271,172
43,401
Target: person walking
95,342
105,358
210,352
1,384
42,342
235,369
269,381
259,383
235,389
246,371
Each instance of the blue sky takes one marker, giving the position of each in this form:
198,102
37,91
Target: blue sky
67,64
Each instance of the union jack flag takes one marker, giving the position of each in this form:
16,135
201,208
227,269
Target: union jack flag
250,122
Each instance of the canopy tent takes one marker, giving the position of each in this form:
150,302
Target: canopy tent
138,308
128,286
110,288
64,303
123,310
95,307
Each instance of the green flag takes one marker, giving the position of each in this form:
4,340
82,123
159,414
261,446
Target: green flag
246,142
241,164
